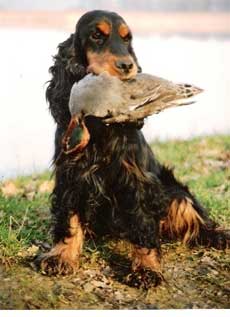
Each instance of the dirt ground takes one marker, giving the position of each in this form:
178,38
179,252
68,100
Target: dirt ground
196,278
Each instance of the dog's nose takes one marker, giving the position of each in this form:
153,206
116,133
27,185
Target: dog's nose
124,65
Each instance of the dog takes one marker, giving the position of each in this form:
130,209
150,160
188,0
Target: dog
115,186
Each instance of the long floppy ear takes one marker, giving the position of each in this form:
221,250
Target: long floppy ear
132,53
68,68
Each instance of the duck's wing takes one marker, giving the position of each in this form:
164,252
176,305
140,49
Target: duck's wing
179,94
164,95
167,92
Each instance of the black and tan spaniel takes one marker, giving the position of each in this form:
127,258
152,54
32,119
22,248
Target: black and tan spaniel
115,186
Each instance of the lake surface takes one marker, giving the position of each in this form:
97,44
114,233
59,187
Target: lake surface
27,129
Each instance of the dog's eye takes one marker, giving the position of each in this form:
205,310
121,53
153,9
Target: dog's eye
127,38
96,35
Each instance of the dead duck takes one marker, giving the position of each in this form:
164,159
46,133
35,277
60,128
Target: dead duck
115,101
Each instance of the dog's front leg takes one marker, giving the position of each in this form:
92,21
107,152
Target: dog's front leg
146,267
64,257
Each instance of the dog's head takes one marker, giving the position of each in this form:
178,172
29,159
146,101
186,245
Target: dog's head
104,41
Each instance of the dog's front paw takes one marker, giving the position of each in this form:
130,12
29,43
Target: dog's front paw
54,264
144,278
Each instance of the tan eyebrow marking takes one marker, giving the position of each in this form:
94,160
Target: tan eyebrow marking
123,30
104,27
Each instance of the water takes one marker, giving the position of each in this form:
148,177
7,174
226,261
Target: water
27,129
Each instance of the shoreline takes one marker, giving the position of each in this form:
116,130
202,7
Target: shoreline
164,23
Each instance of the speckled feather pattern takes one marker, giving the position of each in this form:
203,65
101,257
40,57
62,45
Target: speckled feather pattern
107,96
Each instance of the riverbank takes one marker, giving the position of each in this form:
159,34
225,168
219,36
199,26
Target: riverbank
142,23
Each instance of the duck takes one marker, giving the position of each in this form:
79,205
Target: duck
116,101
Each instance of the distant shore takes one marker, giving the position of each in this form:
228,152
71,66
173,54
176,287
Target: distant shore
143,23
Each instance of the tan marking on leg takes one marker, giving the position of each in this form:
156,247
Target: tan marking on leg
182,221
65,254
146,258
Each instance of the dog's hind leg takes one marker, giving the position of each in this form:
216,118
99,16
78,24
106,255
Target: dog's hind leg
186,219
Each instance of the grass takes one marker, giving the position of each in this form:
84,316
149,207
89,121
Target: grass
203,164
24,217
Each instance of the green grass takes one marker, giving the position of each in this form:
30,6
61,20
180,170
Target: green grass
23,219
202,163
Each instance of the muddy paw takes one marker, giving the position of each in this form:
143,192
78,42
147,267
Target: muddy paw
55,265
144,278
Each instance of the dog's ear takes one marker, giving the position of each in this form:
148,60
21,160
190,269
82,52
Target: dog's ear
132,53
68,68
79,47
